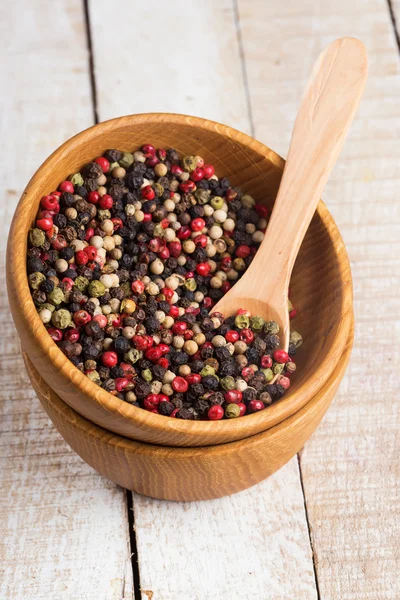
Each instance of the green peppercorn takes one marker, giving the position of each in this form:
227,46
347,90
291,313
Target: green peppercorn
232,411
256,323
94,376
158,230
158,189
147,375
81,283
37,237
269,375
217,202
35,279
103,214
96,289
189,163
227,383
190,284
126,160
76,179
278,368
56,296
271,327
47,306
61,318
126,288
132,356
296,339
206,371
290,367
202,196
242,321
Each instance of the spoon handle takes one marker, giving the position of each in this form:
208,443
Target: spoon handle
326,112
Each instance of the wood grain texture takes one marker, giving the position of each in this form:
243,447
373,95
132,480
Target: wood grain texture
187,474
351,467
321,281
326,111
63,528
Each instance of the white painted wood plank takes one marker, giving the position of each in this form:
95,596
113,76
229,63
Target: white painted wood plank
185,58
351,466
63,528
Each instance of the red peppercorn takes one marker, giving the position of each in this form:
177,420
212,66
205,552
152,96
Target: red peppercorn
174,413
66,186
58,194
247,373
149,404
255,406
93,197
164,348
175,249
45,224
208,171
89,234
152,161
101,320
55,334
242,408
168,293
174,311
109,358
155,244
81,317
115,320
189,275
164,254
106,202
266,361
81,258
153,354
230,194
147,217
243,251
179,327
225,287
201,240
140,342
293,313
261,210
183,233
208,302
243,311
150,341
179,384
103,162
197,224
226,264
232,336
284,382
50,202
121,383
137,286
129,371
187,186
72,335
234,396
148,149
68,283
191,310
215,413
163,362
91,252
188,334
161,153
193,378
59,242
147,192
280,356
203,269
246,335
176,169
197,174
165,223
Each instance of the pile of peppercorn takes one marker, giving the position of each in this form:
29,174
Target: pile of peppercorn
125,262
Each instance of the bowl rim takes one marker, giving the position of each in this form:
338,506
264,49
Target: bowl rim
22,303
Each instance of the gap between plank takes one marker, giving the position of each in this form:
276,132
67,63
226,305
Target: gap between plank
91,61
128,494
243,66
308,528
394,23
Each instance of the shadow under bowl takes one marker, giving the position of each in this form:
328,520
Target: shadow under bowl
321,285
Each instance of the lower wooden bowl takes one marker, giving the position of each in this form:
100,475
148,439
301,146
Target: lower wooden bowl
187,474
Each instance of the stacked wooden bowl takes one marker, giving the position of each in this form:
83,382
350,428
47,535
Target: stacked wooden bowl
171,458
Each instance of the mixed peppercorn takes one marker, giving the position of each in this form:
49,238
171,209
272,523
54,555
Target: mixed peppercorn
125,263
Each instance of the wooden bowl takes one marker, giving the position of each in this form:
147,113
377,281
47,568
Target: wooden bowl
187,474
321,284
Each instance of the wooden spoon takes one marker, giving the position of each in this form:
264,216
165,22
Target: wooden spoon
326,112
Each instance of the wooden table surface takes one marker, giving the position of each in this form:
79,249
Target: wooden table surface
327,526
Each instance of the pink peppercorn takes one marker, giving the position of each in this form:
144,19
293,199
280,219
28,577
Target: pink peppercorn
101,320
174,311
55,334
208,171
147,192
247,373
175,249
72,335
45,224
284,382
152,161
187,186
140,342
121,383
148,149
89,234
197,174
66,186
280,356
106,202
232,336
164,254
109,358
233,396
243,251
91,252
266,361
203,269
163,362
137,286
93,197
50,202
81,258
179,327
104,164
255,406
176,170
215,413
242,408
81,317
197,224
225,287
174,413
183,233
246,335
193,378
293,313
262,211
179,384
